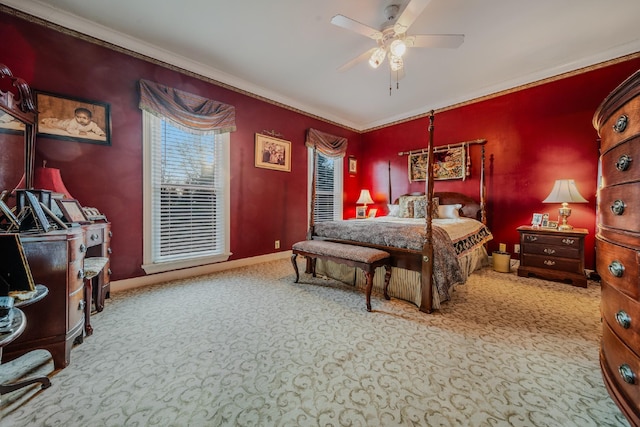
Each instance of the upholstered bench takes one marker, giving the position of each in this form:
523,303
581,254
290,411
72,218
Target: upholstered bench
367,259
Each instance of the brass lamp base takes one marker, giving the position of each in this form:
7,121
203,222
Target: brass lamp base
564,212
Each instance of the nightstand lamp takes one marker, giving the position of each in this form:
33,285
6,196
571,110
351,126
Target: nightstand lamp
364,199
564,191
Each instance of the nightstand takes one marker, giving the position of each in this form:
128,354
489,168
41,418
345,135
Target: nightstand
552,254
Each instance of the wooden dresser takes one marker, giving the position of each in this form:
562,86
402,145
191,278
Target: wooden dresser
618,244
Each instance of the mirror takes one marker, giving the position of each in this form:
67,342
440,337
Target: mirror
17,131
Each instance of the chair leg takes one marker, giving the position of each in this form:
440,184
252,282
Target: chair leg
387,279
369,277
295,266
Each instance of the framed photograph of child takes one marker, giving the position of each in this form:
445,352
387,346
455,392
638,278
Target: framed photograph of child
73,119
273,153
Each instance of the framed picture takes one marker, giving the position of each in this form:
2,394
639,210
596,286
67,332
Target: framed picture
273,153
361,212
71,210
353,165
536,220
552,224
372,213
73,119
545,220
8,215
9,124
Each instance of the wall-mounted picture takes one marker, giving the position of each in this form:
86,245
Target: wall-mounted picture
73,119
353,165
72,211
447,164
273,153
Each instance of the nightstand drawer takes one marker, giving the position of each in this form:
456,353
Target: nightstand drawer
618,267
550,239
551,250
551,263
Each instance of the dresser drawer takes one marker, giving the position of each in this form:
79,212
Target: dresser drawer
552,263
622,314
618,267
552,250
622,164
76,308
77,248
94,236
620,363
550,239
620,207
611,137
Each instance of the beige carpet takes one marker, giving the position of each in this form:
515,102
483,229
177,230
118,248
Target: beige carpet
248,347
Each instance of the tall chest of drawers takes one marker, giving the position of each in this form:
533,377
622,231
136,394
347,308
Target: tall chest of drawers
617,120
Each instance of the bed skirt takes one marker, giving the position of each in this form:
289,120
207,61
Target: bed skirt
404,284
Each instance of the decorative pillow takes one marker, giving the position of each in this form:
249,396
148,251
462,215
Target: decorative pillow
449,211
434,207
420,207
405,204
393,210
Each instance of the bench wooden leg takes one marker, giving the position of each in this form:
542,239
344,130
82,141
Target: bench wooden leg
295,266
369,277
387,279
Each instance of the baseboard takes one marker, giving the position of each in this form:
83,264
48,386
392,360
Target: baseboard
152,279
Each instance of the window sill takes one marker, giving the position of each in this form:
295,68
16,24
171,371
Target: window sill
161,267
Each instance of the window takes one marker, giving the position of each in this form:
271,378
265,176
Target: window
328,203
186,193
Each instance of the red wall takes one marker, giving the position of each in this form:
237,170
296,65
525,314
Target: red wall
534,136
266,205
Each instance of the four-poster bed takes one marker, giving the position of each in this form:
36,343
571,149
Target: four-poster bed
457,241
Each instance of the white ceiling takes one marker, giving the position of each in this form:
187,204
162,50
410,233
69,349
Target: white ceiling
289,52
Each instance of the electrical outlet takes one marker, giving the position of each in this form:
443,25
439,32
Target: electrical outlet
516,248
277,244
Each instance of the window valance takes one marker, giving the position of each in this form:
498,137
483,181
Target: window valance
327,144
187,111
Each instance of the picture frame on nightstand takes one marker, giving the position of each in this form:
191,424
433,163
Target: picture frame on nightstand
536,221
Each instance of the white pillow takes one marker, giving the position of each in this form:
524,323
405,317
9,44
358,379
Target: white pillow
393,210
449,211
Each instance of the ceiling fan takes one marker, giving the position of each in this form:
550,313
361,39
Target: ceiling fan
392,39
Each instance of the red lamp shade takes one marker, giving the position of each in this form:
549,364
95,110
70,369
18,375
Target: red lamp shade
50,179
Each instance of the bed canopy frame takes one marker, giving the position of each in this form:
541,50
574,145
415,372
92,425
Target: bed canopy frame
413,260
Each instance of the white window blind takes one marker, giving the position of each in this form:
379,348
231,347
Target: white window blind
328,203
187,193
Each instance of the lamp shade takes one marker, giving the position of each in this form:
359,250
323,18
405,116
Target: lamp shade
564,191
365,198
50,179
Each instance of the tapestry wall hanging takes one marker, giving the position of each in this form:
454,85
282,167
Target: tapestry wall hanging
449,163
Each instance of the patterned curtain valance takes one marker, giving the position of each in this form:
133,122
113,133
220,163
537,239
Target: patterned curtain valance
188,111
329,145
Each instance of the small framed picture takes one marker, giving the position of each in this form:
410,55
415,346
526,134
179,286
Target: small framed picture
536,221
361,212
372,213
353,165
552,224
545,220
71,210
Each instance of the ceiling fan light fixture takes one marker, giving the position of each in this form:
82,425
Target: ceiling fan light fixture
398,48
377,57
396,63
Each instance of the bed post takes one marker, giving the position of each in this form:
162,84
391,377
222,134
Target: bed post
426,303
313,196
390,199
483,192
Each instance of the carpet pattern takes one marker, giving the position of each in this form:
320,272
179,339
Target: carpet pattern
248,347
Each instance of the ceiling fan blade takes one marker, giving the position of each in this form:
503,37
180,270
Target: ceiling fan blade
355,26
413,9
450,41
362,57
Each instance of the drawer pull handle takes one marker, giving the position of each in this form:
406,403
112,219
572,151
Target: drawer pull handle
627,374
616,268
549,262
549,251
618,207
81,305
623,319
109,271
94,237
567,241
110,233
109,251
621,124
623,162
81,274
532,238
83,248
